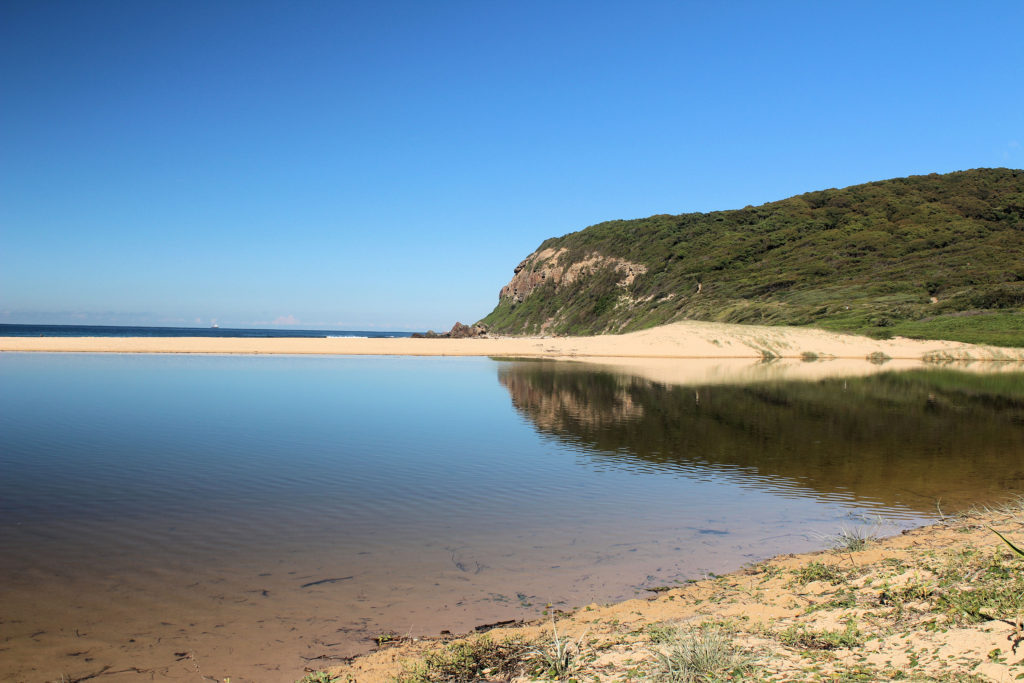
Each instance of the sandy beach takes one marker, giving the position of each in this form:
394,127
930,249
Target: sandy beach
690,339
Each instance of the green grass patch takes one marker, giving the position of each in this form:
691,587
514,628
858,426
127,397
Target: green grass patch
319,677
465,661
819,571
823,639
994,329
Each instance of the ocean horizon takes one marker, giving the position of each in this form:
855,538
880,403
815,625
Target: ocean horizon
18,330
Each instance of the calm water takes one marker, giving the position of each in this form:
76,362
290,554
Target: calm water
249,516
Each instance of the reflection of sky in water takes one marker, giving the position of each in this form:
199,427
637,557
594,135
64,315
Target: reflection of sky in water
389,448
410,445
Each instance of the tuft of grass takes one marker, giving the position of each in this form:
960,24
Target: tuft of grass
662,633
852,539
466,661
319,677
819,571
702,656
811,639
559,657
914,591
843,599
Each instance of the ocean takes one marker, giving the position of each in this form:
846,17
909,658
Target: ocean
7,330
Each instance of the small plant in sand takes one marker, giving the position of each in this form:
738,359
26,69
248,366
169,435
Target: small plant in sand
701,656
559,657
662,633
824,639
819,571
465,661
850,539
319,677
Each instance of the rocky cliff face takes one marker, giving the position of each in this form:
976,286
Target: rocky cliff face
554,266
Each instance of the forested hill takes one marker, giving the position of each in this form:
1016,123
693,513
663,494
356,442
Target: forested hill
936,256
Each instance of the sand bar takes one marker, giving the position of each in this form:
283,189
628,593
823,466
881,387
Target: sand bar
688,339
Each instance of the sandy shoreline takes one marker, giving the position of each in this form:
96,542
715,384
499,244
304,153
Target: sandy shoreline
937,603
689,339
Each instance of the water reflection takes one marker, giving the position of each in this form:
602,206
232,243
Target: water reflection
263,513
915,438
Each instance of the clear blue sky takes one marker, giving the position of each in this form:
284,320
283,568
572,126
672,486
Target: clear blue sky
380,164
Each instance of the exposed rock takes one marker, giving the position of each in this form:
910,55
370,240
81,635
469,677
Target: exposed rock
460,331
550,265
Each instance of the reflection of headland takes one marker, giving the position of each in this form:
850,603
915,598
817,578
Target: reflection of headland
911,438
697,371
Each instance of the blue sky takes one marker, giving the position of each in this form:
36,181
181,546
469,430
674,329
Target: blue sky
361,165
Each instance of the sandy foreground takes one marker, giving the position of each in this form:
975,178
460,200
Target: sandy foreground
938,603
688,339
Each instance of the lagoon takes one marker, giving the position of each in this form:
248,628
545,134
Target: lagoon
246,517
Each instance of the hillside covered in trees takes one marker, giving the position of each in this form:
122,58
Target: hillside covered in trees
936,256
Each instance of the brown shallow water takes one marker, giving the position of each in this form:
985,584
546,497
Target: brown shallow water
180,518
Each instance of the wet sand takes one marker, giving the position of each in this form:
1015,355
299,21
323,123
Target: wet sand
688,339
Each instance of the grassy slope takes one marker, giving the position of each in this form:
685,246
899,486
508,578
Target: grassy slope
865,259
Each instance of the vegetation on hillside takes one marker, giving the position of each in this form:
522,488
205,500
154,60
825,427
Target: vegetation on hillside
936,256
